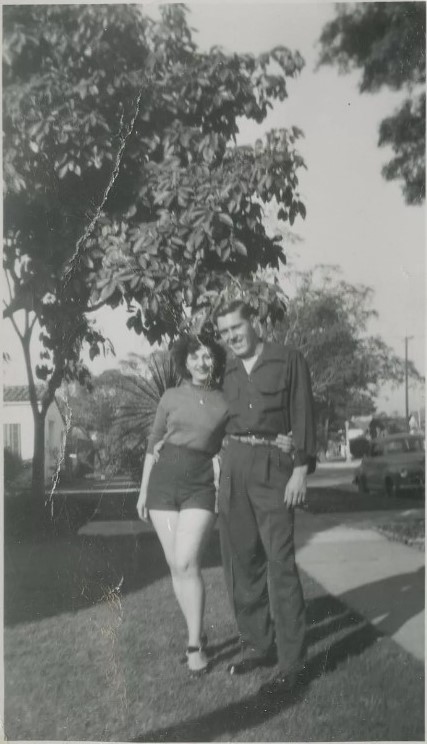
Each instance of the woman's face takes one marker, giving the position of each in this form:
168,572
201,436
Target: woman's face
199,364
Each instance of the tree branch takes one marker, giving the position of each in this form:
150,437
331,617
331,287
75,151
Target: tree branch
93,308
25,341
33,322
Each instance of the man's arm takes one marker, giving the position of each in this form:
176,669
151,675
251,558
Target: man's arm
301,411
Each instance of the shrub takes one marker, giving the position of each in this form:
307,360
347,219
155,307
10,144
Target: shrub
13,465
359,446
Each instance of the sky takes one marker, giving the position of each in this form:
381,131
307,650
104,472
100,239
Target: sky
355,219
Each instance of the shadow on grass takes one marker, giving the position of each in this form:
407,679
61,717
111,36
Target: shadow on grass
325,615
46,578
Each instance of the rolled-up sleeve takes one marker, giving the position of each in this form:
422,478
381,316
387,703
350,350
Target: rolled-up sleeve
301,411
159,427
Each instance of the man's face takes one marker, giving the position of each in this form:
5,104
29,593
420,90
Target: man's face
238,334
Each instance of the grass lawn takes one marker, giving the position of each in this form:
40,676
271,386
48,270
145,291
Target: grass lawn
408,531
323,500
86,660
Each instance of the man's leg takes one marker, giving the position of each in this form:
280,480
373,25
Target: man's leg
244,559
276,527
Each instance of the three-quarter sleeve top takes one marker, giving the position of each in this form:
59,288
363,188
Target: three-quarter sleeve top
274,398
190,416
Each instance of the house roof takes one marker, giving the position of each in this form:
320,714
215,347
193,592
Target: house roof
19,393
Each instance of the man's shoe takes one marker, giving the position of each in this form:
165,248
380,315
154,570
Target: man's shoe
283,684
253,660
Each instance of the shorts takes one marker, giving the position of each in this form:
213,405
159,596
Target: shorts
181,479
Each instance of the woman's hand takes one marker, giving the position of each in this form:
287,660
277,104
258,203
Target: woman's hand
141,506
217,473
156,450
285,442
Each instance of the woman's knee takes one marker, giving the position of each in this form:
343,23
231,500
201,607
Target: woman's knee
185,566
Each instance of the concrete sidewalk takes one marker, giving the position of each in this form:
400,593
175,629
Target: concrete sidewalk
380,579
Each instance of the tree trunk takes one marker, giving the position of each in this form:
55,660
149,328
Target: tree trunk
36,514
41,522
38,459
326,433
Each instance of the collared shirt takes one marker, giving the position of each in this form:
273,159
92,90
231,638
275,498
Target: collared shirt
274,398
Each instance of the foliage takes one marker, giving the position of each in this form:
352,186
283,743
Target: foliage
359,446
145,151
387,42
121,407
121,179
12,464
328,319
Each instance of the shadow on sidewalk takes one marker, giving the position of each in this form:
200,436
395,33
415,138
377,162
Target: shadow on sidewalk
395,599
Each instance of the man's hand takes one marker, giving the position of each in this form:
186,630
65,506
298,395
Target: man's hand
284,442
296,487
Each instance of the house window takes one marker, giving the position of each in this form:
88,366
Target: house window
12,437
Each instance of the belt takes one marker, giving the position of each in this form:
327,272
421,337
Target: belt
253,440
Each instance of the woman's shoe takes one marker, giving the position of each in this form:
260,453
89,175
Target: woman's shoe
203,647
197,660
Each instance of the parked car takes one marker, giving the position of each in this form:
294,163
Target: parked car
394,464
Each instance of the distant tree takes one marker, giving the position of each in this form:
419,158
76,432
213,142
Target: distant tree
121,178
327,319
387,41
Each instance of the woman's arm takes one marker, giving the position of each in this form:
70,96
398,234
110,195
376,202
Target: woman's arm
159,429
142,498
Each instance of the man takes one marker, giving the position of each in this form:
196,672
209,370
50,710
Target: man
268,391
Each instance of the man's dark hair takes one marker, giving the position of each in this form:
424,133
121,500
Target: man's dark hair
245,310
188,344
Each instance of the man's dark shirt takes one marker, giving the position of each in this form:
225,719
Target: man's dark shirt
274,398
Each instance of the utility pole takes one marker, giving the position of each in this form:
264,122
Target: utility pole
407,338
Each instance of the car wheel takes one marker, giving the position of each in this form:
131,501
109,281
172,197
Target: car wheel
391,488
362,486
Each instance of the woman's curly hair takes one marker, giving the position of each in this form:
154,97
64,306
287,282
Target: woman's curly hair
188,344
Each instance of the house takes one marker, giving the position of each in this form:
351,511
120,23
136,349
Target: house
18,427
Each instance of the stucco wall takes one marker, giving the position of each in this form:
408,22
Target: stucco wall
20,413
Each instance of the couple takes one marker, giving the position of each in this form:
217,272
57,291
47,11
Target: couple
266,392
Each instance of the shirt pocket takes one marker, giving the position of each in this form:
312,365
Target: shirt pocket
272,387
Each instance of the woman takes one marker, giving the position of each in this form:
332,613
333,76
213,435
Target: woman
179,490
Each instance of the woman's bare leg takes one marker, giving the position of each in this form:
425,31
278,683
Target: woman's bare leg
193,530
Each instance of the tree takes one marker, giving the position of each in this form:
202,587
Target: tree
121,181
387,41
328,319
120,409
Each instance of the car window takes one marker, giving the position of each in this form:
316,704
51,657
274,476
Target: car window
396,447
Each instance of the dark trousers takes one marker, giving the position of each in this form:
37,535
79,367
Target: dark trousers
257,544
